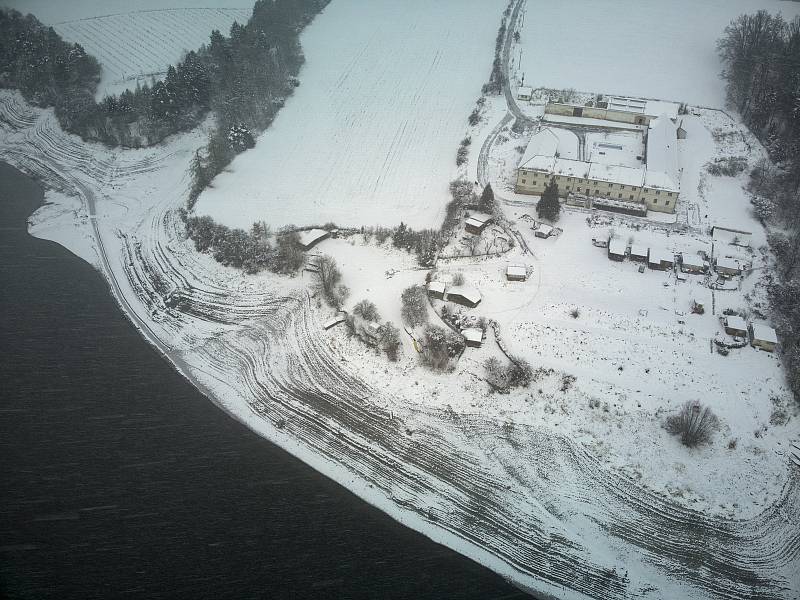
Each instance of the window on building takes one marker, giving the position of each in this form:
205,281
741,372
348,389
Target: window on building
631,196
608,193
596,191
567,188
623,187
658,192
666,203
619,195
611,186
655,200
578,190
670,195
523,181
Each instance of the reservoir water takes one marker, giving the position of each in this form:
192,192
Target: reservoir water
120,480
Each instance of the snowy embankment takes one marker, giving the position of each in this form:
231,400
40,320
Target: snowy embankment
647,48
519,497
370,135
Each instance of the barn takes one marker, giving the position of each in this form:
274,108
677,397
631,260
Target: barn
617,249
736,326
763,337
473,336
464,295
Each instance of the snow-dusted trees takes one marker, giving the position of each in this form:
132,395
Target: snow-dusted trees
694,423
440,347
415,305
367,310
329,281
389,339
487,204
503,378
548,206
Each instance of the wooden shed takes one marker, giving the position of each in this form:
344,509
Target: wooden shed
617,249
736,326
516,273
473,336
763,337
662,260
543,231
692,263
477,222
437,289
464,295
639,252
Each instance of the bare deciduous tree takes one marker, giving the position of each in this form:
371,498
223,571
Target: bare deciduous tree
695,424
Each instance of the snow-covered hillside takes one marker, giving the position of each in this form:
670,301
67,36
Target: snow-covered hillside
648,48
370,135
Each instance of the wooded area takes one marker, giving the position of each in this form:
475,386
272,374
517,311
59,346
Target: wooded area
761,56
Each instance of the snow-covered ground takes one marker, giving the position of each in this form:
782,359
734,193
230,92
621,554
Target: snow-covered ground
370,136
647,48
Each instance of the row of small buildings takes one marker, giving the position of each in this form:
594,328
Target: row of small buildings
665,260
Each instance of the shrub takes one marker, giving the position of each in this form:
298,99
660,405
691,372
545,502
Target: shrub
440,347
367,311
328,282
415,306
390,339
458,278
461,155
729,166
575,313
517,373
694,423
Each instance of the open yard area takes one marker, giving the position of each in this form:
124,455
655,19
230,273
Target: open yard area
643,48
370,135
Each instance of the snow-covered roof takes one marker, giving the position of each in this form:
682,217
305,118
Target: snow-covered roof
692,260
474,223
543,143
544,228
437,287
652,108
616,174
638,250
468,293
660,255
480,217
617,246
763,333
657,108
662,155
311,236
524,91
472,334
736,322
636,105
727,263
516,271
333,321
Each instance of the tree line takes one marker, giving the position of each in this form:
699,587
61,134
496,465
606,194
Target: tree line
761,58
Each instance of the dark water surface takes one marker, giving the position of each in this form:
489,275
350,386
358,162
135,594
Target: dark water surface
119,479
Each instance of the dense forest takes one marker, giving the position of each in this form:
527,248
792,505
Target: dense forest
761,57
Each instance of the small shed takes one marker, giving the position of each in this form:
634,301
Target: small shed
473,336
477,222
464,295
692,263
735,325
728,266
543,231
617,249
660,259
516,273
436,289
639,252
763,337
311,237
524,92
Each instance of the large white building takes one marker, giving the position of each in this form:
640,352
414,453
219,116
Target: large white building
651,179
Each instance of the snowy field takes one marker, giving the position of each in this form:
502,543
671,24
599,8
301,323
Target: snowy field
647,48
370,136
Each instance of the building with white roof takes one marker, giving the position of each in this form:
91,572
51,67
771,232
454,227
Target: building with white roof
516,273
551,154
617,249
465,295
524,92
735,325
311,237
661,259
473,336
764,337
639,252
728,266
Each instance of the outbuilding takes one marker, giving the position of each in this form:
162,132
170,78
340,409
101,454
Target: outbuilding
524,93
543,231
692,263
516,273
333,322
436,289
660,259
464,295
477,222
311,237
473,336
763,337
736,326
728,266
617,249
639,252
